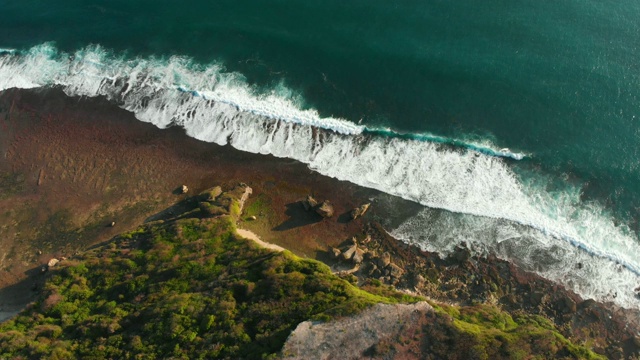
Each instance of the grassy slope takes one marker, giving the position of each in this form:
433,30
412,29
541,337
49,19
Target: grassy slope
184,289
192,288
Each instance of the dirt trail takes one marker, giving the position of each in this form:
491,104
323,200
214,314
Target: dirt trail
248,234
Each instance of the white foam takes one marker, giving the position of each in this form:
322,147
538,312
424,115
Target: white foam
91,70
220,107
590,276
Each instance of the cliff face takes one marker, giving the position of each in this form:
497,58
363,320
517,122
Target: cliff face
369,334
422,331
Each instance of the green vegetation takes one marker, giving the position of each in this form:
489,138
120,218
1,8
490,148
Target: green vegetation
258,206
486,332
192,288
185,289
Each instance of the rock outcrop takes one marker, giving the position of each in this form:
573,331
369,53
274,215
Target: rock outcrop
325,209
210,194
359,211
215,202
53,262
355,337
309,203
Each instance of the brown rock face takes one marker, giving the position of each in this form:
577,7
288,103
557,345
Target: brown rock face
356,336
325,209
395,271
384,260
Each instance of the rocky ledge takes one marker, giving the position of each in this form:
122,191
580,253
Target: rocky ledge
376,259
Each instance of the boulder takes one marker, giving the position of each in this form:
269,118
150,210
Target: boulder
53,262
113,223
336,252
418,280
568,306
309,203
184,189
325,209
395,270
359,211
372,269
253,217
384,260
461,254
358,256
348,254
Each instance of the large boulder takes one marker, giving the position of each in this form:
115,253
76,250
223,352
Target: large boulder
359,211
395,271
325,209
358,256
567,305
384,260
53,262
309,203
348,254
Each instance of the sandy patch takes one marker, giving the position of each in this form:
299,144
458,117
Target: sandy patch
248,234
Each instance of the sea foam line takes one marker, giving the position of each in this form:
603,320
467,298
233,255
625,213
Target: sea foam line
225,110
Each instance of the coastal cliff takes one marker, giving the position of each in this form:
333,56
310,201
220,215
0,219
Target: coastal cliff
76,183
187,285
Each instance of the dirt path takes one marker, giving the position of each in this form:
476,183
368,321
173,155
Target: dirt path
252,236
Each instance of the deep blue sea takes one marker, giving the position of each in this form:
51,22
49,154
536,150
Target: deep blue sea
515,123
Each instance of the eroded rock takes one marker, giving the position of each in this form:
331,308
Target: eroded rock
53,262
325,209
347,255
384,260
359,211
395,270
309,203
358,256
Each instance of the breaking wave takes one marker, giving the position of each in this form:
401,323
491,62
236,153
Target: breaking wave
216,106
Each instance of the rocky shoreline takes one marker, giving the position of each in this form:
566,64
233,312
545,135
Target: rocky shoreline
466,280
86,172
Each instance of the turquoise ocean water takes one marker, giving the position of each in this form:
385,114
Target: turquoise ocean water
520,119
